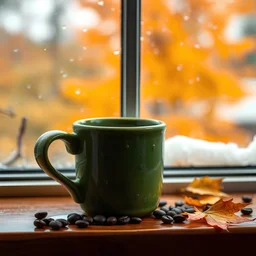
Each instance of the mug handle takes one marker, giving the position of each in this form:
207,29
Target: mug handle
73,146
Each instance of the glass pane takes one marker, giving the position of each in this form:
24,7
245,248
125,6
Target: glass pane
198,68
59,63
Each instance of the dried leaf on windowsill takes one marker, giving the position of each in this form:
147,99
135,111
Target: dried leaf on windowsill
200,201
206,186
221,214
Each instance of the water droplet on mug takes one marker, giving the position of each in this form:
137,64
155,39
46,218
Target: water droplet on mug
127,146
145,199
153,147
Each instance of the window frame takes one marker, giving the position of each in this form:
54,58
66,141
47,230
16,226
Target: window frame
34,182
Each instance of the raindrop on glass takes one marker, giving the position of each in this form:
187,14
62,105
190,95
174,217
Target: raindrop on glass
190,81
101,3
197,46
71,60
15,50
63,27
141,38
84,48
64,75
156,51
28,86
181,43
84,29
40,97
180,67
116,52
198,78
149,33
44,49
77,92
186,17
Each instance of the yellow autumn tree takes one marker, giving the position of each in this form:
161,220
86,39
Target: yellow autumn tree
186,69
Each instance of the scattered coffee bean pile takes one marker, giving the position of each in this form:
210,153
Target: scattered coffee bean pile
172,214
168,214
81,221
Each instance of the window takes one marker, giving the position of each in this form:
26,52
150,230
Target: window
60,61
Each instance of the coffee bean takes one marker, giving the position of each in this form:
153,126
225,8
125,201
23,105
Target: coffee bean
82,224
166,219
111,221
165,209
159,213
246,199
39,223
73,213
63,222
73,218
123,220
181,208
179,203
171,213
206,207
190,210
162,203
177,210
47,220
99,219
178,218
246,211
171,207
55,225
88,219
41,215
187,206
135,220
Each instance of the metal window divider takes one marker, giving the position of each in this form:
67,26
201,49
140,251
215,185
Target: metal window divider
130,57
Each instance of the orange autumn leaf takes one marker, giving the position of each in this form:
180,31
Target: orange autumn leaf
221,214
206,186
202,200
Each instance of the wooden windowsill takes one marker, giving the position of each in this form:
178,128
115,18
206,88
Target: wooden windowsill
17,216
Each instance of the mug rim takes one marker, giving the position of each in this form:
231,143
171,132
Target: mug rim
159,125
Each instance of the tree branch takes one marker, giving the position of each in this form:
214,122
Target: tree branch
8,112
18,153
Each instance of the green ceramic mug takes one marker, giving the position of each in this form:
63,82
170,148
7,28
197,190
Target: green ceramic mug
118,162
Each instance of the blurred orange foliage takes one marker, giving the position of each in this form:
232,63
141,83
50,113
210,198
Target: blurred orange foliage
186,70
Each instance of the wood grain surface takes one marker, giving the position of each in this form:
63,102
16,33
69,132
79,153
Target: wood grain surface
17,216
18,236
